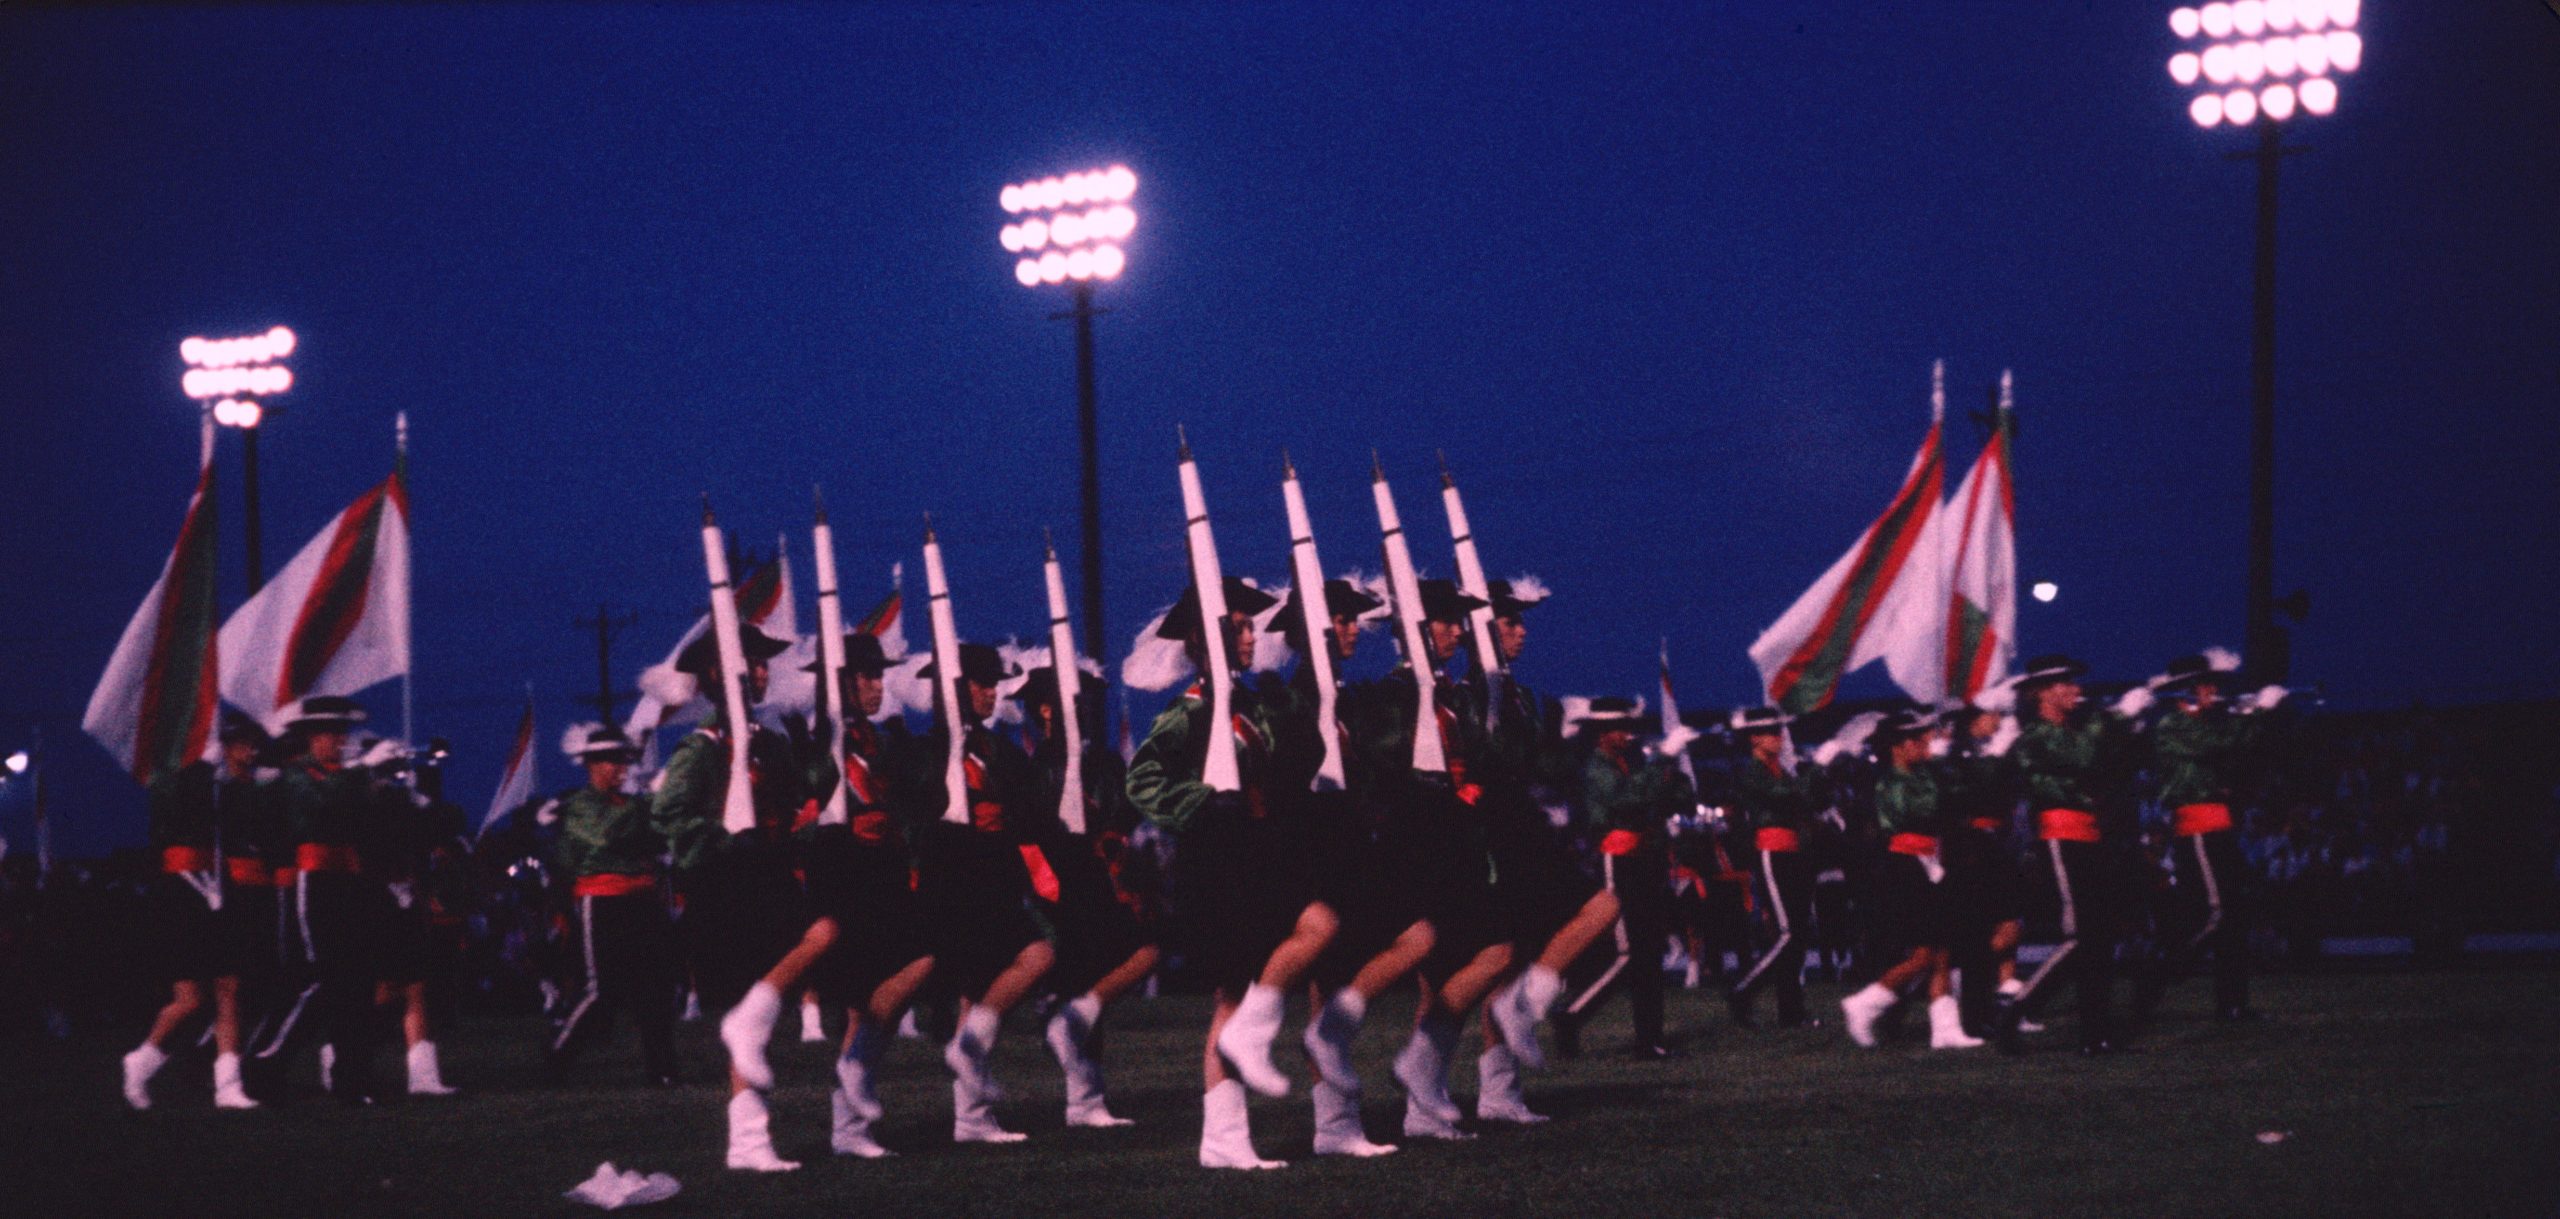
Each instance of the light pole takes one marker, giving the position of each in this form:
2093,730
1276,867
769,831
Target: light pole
1069,232
231,376
2264,62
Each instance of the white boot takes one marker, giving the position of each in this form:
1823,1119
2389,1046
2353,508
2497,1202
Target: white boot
1422,1069
1328,1040
328,1068
1246,1040
1946,1026
751,1136
970,1045
747,1028
973,1119
227,1092
1516,1015
1863,1009
1068,1029
139,1066
854,1103
813,1023
1338,1128
2011,989
1498,1096
1226,1137
426,1075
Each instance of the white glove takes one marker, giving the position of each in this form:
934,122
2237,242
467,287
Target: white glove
1940,745
2135,701
1998,745
2268,697
1675,742
383,751
1824,753
2002,698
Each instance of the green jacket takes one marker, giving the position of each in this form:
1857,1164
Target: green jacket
1907,802
606,832
2082,763
691,799
1640,797
1975,785
1005,776
1766,799
1164,777
1378,721
186,803
329,805
2195,756
1523,745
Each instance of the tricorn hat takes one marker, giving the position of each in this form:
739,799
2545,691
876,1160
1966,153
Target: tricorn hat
1517,595
979,663
320,713
1757,719
702,656
2047,669
862,655
1605,713
1342,599
2212,664
590,741
1903,723
1442,601
238,727
1183,620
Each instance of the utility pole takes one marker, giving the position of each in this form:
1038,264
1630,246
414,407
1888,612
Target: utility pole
606,624
2267,649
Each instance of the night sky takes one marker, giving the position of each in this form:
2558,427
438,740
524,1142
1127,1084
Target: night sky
1663,282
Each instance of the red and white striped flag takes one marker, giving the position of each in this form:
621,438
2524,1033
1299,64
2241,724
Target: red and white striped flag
1881,600
1982,600
154,708
516,783
335,620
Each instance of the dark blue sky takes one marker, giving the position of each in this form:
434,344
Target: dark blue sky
1663,281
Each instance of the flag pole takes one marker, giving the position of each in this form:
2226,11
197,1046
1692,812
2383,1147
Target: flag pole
408,692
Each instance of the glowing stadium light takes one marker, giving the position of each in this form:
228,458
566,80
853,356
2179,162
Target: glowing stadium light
229,375
1070,225
18,762
2319,95
2235,72
2046,590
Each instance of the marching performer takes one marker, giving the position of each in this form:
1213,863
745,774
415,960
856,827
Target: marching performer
860,879
1554,909
1628,800
608,850
1981,798
976,879
1777,803
2073,762
213,909
746,921
1383,935
2199,746
1103,950
1917,914
1246,922
415,852
337,911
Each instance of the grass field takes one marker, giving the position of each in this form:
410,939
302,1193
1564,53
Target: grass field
2400,1094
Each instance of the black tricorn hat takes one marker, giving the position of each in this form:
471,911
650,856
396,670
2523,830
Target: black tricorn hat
702,656
862,655
1183,620
1609,712
1757,719
1443,602
599,743
1511,600
979,663
322,712
1342,599
1905,722
2047,669
2186,671
239,727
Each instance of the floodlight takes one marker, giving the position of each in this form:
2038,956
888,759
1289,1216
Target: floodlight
2216,19
2184,22
1070,216
18,762
2346,50
1028,271
2277,101
2240,106
2319,95
2046,590
2206,109
2281,60
1108,262
2280,14
2184,66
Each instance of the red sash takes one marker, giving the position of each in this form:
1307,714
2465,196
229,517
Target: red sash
613,884
1777,838
1988,825
185,859
250,870
1913,844
2189,820
1620,842
1044,879
324,857
2067,825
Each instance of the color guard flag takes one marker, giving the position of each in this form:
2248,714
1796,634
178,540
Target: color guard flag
154,708
335,620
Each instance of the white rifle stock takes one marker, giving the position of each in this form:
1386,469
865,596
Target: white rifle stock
1062,657
1497,675
1429,754
738,810
1317,617
1218,769
831,709
946,679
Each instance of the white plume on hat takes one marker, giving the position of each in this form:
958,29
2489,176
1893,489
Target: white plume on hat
1577,708
1528,589
1019,661
1376,587
1271,651
1154,663
2222,660
573,739
1851,738
903,689
671,686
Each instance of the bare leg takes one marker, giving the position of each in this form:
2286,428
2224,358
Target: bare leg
226,1015
1016,981
1908,970
786,973
1410,947
1938,973
184,999
1297,954
413,1013
1569,942
1473,980
890,999
1128,974
2004,945
1213,1069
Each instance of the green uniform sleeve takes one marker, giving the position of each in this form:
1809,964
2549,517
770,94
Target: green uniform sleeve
1906,802
683,809
1164,777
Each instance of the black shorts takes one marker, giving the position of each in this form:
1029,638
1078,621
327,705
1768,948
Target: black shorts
1539,884
743,912
975,903
1916,913
868,889
1238,884
190,941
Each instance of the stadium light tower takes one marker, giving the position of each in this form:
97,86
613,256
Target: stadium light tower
231,376
2264,63
1069,230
